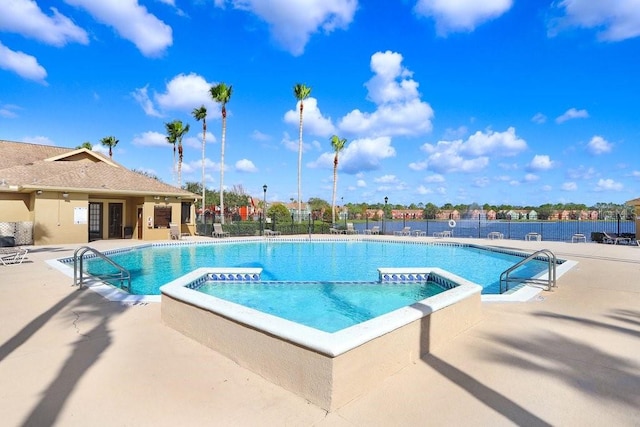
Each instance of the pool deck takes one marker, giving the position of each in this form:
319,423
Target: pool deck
567,357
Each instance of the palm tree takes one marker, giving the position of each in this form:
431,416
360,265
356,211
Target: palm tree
175,131
171,139
301,92
201,114
221,93
338,146
86,145
111,142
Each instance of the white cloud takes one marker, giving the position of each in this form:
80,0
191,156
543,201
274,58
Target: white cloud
361,183
531,177
246,165
635,174
185,91
582,173
434,178
141,95
547,188
293,144
26,66
151,139
24,17
422,190
40,140
599,145
399,110
608,185
461,15
8,111
259,136
539,118
541,163
571,114
291,23
471,155
312,120
418,166
569,186
359,155
132,22
481,182
182,93
615,20
386,179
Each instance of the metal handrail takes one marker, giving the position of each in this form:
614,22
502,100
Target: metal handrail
551,275
79,255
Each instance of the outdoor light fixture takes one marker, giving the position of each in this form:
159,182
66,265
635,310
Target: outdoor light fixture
264,207
39,192
156,197
65,195
166,199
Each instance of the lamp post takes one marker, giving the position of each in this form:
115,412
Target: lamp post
264,208
344,213
384,214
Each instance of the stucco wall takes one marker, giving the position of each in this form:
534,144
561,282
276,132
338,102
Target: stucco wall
14,207
54,219
329,382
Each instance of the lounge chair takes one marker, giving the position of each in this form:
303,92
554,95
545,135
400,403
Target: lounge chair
218,231
174,232
615,239
12,255
350,229
374,230
406,231
271,233
333,230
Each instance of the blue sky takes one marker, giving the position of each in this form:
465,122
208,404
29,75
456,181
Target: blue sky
493,101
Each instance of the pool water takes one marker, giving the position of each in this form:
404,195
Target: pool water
299,261
327,306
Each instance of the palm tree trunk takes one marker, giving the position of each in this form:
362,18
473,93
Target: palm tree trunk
224,132
204,136
300,165
335,182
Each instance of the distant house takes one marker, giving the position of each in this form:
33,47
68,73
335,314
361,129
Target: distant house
491,215
55,195
406,213
636,208
448,214
304,210
512,215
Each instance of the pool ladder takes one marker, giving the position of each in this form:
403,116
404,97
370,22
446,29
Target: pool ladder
78,271
550,282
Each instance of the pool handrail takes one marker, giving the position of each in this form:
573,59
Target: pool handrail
551,274
79,254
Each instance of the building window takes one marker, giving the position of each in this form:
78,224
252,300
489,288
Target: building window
161,216
185,215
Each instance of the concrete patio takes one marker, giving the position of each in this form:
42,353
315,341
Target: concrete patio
568,357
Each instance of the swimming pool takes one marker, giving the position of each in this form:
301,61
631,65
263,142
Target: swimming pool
297,260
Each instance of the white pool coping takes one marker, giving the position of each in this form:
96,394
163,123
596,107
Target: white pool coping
522,293
331,344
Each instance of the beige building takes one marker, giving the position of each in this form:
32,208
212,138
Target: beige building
54,195
636,210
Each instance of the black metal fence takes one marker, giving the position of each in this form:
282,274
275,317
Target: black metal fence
517,230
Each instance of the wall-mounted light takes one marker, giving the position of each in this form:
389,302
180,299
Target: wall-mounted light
166,199
39,192
65,195
156,197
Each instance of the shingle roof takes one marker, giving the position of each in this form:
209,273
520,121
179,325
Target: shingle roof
30,166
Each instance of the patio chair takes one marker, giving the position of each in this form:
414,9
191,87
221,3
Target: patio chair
218,231
373,230
406,231
271,233
333,230
614,238
350,229
12,255
174,232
